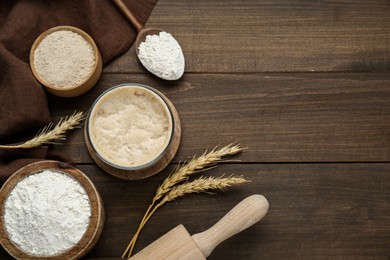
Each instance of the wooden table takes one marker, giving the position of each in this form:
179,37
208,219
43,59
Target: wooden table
305,85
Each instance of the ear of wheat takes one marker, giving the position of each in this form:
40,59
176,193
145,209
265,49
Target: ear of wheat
48,134
171,189
199,185
206,160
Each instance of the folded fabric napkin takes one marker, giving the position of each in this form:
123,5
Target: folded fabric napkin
23,103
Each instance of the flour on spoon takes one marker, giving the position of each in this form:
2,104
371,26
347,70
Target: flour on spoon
162,55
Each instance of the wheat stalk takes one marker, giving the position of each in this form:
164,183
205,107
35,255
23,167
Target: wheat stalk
204,162
197,164
201,184
48,134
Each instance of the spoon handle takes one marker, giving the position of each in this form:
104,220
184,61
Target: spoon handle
129,15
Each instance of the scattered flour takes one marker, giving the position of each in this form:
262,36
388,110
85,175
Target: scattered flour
64,58
130,126
162,55
47,213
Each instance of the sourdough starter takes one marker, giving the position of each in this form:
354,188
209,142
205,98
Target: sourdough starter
130,126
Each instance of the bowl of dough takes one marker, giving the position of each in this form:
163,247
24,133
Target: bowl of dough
132,131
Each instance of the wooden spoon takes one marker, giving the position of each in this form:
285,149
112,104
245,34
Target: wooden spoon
142,32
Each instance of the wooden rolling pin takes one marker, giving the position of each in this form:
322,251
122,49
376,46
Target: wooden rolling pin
179,244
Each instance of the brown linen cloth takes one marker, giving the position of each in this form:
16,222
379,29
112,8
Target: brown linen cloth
23,104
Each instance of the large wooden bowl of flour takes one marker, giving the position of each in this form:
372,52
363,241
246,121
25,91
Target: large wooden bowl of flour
132,131
66,61
49,210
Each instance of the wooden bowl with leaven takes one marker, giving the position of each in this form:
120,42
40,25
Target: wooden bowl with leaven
92,230
114,126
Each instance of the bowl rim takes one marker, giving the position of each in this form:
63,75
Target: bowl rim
145,165
97,210
83,34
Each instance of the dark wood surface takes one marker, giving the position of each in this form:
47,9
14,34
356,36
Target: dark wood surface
305,85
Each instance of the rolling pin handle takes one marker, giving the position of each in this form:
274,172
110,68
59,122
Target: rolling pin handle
243,215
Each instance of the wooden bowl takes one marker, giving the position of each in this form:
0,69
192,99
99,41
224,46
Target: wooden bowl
82,86
151,168
91,235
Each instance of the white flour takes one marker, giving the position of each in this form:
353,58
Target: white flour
162,55
47,213
64,58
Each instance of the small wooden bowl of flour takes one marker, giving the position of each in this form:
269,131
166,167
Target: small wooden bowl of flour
66,61
49,210
132,131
